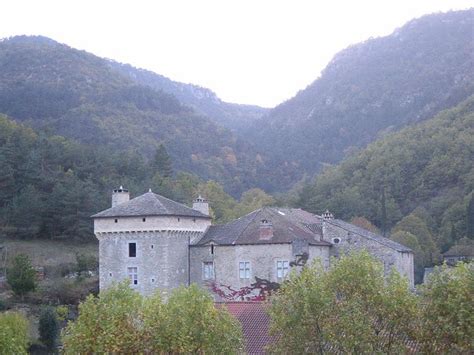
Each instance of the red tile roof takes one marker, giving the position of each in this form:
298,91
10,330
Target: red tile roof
255,324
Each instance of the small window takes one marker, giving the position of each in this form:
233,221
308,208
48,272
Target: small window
152,246
336,240
282,268
194,219
152,280
132,250
144,219
110,274
133,275
179,219
208,270
212,249
244,269
116,220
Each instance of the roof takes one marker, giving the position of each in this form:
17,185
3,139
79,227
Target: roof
288,225
150,204
369,235
255,323
462,249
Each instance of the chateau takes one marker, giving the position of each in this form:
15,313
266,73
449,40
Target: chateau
161,244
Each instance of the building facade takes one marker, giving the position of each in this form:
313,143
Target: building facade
158,243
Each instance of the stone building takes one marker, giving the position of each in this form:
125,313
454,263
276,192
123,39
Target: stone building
160,244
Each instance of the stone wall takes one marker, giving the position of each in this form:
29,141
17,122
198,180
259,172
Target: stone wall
345,241
161,259
262,257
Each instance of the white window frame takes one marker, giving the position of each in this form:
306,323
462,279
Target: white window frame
208,270
245,270
282,268
132,273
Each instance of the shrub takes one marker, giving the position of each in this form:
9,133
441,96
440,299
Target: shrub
13,333
49,328
21,276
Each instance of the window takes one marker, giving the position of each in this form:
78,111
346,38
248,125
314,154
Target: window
132,250
116,220
144,219
133,275
212,249
244,269
336,240
282,268
208,270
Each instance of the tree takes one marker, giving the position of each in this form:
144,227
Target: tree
107,323
348,309
470,218
122,321
364,223
191,323
21,276
162,162
49,328
13,333
448,313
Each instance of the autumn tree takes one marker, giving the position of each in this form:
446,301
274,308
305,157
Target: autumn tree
162,162
347,309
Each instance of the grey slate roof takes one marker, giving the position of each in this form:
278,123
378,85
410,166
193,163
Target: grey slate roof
367,234
150,204
287,227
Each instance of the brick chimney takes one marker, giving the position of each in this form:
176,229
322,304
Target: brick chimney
328,215
265,230
120,196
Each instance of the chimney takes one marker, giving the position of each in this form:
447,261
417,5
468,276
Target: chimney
265,230
120,196
328,215
200,204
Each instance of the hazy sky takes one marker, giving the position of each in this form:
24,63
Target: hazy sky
253,52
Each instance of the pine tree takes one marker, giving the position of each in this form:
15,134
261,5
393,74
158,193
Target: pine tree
470,218
162,162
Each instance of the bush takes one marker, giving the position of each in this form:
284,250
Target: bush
13,333
21,276
49,328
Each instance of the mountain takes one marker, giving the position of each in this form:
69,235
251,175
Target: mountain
53,87
368,90
419,180
202,100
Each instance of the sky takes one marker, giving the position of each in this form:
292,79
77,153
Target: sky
258,52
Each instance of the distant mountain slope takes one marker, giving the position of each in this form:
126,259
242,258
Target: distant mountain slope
204,101
78,95
370,89
427,168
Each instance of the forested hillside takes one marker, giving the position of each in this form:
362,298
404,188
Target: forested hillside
78,95
418,181
51,185
234,116
367,90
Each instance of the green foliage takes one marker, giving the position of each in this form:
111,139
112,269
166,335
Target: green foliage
13,333
21,276
49,328
427,165
346,309
448,311
470,218
108,323
162,162
122,321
